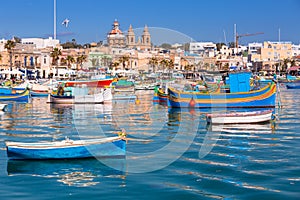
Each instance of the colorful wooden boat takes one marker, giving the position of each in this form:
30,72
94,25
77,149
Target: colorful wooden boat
293,86
38,93
160,96
77,95
100,83
22,96
10,90
246,117
264,97
78,99
67,149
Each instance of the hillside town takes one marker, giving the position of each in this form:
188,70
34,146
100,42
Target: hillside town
127,52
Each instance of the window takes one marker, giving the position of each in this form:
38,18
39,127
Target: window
45,60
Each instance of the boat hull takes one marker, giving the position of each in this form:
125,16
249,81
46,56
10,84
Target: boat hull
89,83
261,98
160,97
80,99
22,96
107,147
292,86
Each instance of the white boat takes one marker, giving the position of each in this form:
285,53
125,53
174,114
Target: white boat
78,96
239,117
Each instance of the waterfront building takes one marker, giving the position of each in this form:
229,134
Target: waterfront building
203,48
116,38
272,53
41,43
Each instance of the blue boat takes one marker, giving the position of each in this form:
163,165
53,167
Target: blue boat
10,90
239,96
293,86
68,149
36,93
22,96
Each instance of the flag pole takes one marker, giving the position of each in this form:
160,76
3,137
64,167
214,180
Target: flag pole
54,19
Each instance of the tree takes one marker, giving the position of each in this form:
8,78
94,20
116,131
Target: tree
17,39
115,64
153,62
70,60
164,64
219,46
55,57
10,45
166,46
81,59
123,60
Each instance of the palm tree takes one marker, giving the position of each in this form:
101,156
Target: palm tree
153,62
55,57
115,64
81,59
164,63
9,45
70,60
123,60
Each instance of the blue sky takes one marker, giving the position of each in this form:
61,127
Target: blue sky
200,20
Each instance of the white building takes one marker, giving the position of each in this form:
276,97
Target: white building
204,48
295,49
41,43
254,48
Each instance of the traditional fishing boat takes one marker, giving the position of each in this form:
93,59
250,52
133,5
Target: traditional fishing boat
68,149
246,117
22,96
77,99
160,96
76,95
100,83
38,93
239,96
293,86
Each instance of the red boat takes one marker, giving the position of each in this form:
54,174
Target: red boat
89,83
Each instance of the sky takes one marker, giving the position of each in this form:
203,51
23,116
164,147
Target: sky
169,21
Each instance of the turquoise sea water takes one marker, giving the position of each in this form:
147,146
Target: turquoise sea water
172,153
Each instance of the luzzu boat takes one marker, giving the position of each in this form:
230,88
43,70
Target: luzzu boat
264,97
100,83
22,96
67,149
160,96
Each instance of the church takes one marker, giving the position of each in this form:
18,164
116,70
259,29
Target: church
116,38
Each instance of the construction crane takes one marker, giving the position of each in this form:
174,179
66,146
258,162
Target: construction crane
237,37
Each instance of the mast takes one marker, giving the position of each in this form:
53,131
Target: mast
54,20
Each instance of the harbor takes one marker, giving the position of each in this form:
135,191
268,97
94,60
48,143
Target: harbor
149,100
198,162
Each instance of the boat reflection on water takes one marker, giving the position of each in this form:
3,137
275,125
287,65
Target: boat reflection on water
243,128
73,172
